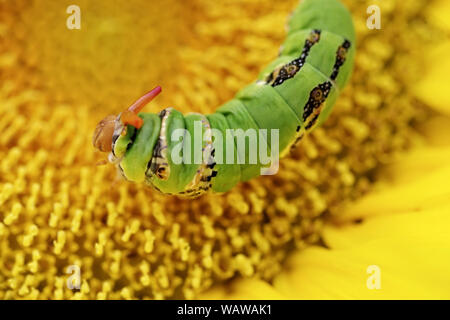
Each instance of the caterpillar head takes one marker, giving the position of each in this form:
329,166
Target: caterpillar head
103,134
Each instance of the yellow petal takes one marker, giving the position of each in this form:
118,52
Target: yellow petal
434,87
437,131
439,14
412,252
418,192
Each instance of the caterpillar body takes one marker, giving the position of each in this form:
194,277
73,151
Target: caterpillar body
294,94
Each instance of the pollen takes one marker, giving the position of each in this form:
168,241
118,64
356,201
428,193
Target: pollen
59,209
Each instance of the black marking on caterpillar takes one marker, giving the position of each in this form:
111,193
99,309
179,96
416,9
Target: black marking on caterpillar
297,139
202,179
312,110
341,55
288,71
158,165
312,121
313,106
319,94
120,169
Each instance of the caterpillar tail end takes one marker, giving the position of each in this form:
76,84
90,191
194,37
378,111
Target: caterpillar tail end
103,134
130,116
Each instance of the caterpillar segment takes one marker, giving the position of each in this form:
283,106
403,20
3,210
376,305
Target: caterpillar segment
205,172
189,175
225,151
159,165
293,94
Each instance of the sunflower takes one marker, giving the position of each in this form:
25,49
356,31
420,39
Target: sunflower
351,214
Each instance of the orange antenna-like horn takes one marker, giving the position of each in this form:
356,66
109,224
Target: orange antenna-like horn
130,116
145,99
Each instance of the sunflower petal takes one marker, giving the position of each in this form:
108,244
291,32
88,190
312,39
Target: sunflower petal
434,86
439,14
421,191
412,252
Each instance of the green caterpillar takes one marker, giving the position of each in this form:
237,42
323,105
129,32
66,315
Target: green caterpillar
295,93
